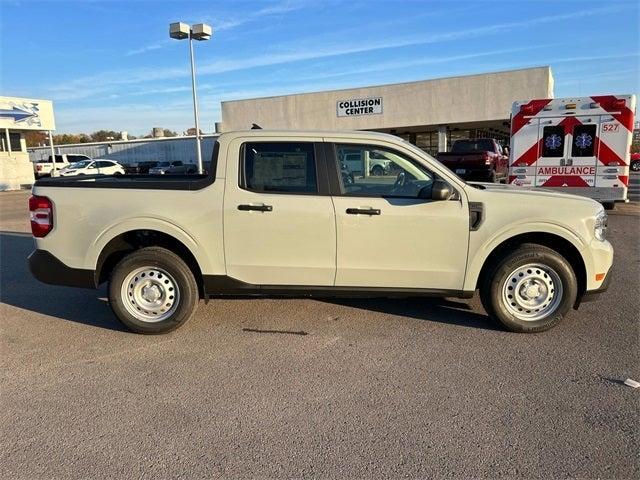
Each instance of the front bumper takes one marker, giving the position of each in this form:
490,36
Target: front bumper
592,295
48,269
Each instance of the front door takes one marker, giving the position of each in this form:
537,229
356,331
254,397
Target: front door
387,236
279,222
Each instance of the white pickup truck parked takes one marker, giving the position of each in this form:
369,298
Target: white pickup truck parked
274,217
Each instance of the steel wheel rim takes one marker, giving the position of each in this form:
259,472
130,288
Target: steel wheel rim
150,294
532,292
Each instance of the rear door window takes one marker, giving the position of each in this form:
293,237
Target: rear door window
279,167
553,141
583,140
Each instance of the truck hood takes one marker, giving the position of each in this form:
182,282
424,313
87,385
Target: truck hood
524,192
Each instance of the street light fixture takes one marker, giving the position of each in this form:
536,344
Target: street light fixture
200,32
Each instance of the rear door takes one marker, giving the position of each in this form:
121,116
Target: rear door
279,221
104,167
552,151
567,151
582,148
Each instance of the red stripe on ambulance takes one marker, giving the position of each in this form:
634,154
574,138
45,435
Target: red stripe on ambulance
565,181
618,109
530,156
530,109
606,155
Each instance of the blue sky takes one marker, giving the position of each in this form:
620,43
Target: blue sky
110,65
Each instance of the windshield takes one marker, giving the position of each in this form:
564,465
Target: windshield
472,146
81,164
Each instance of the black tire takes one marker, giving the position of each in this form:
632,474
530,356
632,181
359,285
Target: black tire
635,165
377,171
181,274
609,205
493,177
496,280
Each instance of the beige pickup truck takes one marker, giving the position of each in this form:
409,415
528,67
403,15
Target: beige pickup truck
274,216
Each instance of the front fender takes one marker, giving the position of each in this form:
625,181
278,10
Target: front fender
479,253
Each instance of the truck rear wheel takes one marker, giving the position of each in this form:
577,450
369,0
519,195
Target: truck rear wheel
530,289
153,291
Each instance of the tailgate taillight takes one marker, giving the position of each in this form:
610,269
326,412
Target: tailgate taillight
41,215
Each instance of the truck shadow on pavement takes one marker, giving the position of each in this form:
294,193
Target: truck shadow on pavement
440,310
19,289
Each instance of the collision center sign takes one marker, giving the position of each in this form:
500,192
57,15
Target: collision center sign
359,106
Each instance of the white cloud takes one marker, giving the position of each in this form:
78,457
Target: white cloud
300,51
148,48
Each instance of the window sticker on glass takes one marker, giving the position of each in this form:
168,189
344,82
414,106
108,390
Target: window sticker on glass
280,167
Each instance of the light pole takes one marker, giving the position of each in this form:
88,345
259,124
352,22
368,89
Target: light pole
199,31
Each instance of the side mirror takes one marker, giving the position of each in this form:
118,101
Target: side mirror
441,190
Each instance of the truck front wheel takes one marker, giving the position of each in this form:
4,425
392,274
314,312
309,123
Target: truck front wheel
529,289
152,290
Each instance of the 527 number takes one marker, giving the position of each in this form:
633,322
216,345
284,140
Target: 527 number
610,127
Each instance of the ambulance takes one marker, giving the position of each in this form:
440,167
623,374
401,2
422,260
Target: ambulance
577,145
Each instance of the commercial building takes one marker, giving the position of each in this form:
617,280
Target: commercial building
17,116
430,113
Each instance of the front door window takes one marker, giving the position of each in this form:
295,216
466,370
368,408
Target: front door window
371,171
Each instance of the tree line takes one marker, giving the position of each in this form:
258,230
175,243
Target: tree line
37,139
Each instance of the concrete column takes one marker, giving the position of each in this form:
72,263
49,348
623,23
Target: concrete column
6,132
442,138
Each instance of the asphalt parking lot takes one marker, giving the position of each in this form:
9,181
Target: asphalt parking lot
320,389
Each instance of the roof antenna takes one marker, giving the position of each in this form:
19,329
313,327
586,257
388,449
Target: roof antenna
255,126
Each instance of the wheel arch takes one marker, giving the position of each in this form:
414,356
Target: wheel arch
129,241
559,243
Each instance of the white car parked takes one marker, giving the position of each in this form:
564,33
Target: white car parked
93,167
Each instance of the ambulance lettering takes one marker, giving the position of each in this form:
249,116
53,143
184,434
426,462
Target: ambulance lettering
566,171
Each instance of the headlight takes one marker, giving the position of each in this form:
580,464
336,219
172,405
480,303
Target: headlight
600,227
